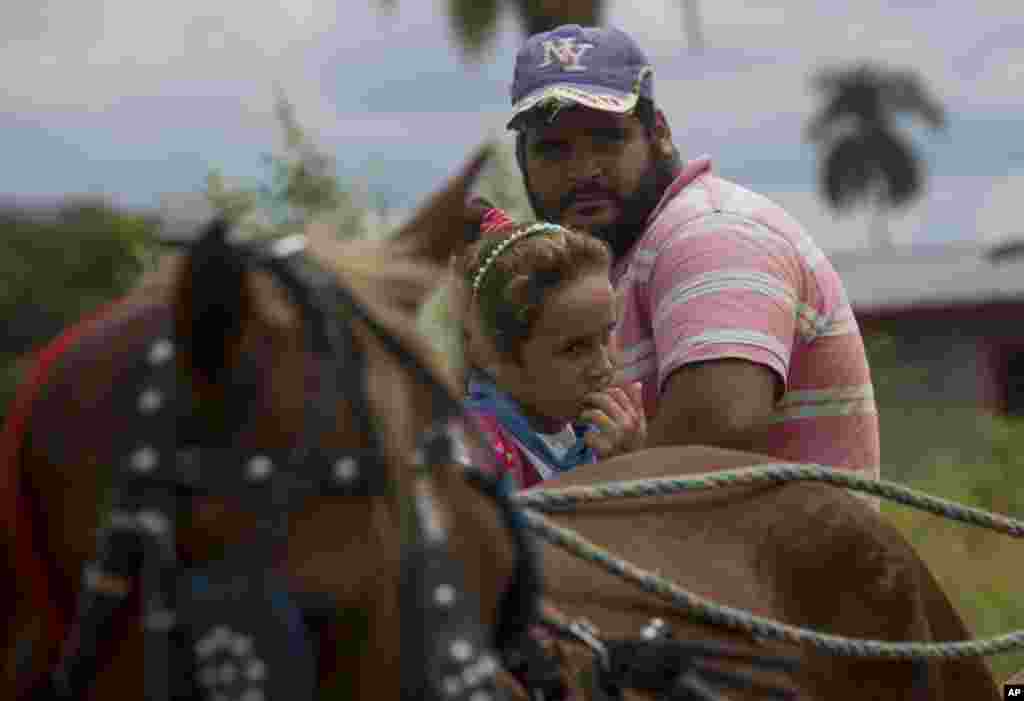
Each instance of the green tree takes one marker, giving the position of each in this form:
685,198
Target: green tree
864,158
500,185
302,187
57,265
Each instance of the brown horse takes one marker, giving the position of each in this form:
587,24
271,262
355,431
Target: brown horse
807,554
242,349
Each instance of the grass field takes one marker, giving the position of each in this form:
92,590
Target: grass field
981,571
981,575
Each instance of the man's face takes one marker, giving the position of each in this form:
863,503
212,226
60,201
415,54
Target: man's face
595,171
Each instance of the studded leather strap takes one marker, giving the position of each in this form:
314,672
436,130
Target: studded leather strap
157,473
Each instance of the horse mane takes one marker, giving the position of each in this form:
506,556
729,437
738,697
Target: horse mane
379,273
392,287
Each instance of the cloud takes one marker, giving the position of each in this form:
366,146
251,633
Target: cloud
771,96
953,208
998,216
834,232
153,71
151,83
799,36
1000,77
88,55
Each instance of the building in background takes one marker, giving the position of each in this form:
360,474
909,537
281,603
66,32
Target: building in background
944,327
953,312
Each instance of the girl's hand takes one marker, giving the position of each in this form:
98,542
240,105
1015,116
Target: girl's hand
618,415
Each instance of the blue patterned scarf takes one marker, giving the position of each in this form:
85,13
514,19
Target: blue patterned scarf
485,397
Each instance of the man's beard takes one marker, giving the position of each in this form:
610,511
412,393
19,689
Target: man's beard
634,210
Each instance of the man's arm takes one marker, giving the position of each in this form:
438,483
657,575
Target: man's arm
722,294
723,402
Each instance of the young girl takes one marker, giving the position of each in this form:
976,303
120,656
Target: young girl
537,312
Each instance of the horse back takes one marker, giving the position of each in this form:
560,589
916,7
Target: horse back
807,554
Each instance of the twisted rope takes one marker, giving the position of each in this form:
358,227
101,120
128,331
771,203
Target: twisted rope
705,611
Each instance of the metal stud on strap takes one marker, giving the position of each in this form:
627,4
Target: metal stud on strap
346,469
587,634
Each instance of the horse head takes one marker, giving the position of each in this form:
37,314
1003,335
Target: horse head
417,539
286,479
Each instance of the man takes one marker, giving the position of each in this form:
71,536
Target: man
732,317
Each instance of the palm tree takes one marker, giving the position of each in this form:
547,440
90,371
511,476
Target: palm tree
864,159
541,15
475,22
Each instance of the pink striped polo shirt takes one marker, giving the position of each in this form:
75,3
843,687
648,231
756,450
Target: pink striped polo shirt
722,272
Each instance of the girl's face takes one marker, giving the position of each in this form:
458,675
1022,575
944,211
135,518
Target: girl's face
568,354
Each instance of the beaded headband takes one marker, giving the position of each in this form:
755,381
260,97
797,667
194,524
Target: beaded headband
539,228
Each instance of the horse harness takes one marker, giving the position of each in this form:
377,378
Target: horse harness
232,630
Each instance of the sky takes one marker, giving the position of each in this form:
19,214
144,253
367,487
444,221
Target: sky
134,100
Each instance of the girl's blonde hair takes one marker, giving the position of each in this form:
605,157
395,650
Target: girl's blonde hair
506,276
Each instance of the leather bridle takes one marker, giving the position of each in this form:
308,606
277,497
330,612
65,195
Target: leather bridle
232,630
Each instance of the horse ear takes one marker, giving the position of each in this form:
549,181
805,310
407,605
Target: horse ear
212,301
439,228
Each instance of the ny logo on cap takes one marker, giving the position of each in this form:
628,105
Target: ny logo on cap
566,51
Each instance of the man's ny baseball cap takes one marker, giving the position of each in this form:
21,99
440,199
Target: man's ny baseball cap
597,67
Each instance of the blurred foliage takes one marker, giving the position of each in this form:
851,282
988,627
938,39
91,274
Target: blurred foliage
499,183
977,568
922,422
59,264
965,455
541,15
886,370
56,266
302,188
475,22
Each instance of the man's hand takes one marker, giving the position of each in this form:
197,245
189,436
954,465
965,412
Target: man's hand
618,414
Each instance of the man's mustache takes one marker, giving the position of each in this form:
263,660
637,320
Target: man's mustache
593,193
